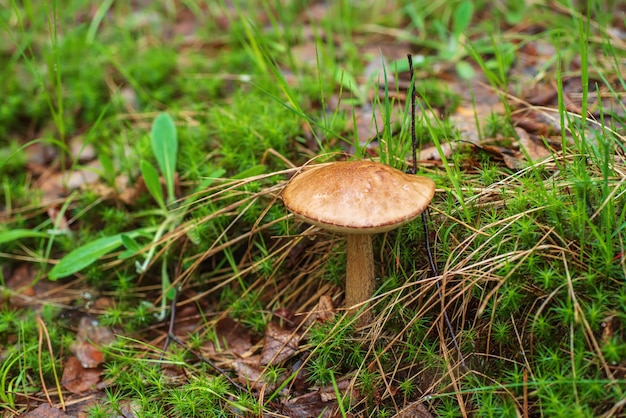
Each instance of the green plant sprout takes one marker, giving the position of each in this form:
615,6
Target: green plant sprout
164,141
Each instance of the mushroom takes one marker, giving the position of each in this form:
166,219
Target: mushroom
358,198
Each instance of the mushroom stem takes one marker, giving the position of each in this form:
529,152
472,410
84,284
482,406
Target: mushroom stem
360,278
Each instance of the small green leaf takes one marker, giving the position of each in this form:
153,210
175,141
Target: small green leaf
208,180
84,256
108,168
130,243
126,254
151,178
168,289
87,254
462,17
171,294
348,81
255,170
465,70
165,149
16,234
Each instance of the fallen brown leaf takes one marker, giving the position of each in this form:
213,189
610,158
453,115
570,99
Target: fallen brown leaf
250,373
57,184
414,410
82,152
78,379
535,149
58,219
278,345
327,393
231,337
321,403
323,311
45,411
26,288
91,335
39,156
308,405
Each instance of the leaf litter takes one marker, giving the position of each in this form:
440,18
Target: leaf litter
536,135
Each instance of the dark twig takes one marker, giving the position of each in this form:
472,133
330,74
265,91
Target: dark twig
413,136
433,267
413,170
170,328
172,337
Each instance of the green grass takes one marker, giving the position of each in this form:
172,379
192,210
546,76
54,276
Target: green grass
195,138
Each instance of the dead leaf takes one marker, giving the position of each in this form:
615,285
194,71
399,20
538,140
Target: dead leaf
82,152
39,156
103,303
514,163
187,319
231,337
535,150
22,279
250,373
308,405
59,220
278,345
327,393
45,411
414,410
58,184
26,289
512,156
321,403
432,153
78,379
90,330
91,335
125,192
543,94
538,122
323,311
305,54
472,120
88,354
532,57
286,316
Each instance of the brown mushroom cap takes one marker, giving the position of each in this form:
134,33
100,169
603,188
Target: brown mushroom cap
358,197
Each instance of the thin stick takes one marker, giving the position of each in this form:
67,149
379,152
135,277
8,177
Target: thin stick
413,136
433,267
170,328
172,337
431,259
